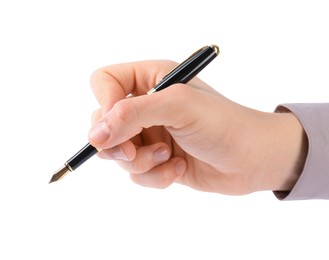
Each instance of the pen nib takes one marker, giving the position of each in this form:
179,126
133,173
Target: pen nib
59,174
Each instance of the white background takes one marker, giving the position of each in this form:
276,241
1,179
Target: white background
271,52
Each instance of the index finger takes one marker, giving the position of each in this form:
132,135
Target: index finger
115,82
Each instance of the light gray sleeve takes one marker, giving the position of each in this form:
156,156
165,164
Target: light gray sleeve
313,182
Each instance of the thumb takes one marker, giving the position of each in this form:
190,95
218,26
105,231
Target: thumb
171,107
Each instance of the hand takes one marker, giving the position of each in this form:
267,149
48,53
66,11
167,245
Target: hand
191,134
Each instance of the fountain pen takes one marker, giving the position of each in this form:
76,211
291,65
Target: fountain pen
182,73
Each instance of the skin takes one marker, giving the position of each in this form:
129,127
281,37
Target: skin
191,134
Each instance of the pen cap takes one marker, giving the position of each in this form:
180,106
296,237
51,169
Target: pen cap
185,71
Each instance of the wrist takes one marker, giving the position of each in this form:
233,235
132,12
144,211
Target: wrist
287,152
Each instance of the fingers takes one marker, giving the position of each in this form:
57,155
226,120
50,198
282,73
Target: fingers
125,151
147,157
113,83
161,176
138,160
150,165
130,116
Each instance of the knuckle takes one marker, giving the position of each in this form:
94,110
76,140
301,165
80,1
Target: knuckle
162,184
152,179
133,178
182,94
94,77
122,110
166,181
125,111
139,167
96,116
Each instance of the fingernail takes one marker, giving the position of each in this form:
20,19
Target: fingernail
99,133
160,155
180,167
118,153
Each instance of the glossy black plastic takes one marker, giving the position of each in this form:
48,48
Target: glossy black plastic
80,157
188,69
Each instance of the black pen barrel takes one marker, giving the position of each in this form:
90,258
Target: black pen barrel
188,69
79,158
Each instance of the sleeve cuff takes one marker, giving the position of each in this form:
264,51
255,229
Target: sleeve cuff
313,182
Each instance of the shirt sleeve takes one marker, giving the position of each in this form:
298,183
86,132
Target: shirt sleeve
313,182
